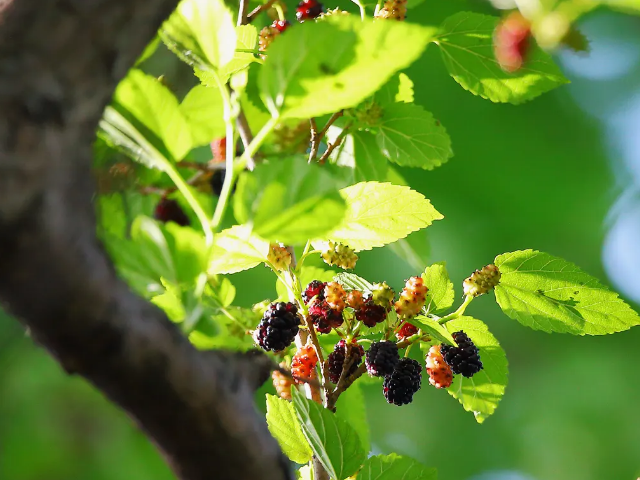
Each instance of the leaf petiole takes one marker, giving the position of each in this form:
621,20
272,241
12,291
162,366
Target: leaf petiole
458,313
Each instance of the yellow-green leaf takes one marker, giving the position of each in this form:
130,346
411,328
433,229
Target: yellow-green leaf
548,293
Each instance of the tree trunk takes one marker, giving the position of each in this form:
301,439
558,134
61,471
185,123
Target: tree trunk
60,61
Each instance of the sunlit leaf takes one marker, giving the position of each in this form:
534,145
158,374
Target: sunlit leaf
237,249
381,213
548,293
481,393
466,44
285,428
302,77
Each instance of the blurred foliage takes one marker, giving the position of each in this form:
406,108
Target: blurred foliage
532,176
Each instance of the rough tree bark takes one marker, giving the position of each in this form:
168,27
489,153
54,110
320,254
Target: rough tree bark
60,61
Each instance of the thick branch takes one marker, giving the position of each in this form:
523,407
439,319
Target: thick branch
60,61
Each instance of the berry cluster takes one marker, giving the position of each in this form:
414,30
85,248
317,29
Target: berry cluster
337,358
335,296
511,41
341,255
303,364
412,298
463,359
323,317
278,327
405,380
314,289
406,330
306,10
355,299
371,314
382,295
393,10
292,138
482,281
269,33
219,150
279,256
326,303
168,210
282,383
382,358
440,374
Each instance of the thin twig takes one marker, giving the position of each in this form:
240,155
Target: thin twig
346,366
330,122
313,382
242,12
312,390
331,404
317,136
316,344
345,383
319,472
332,146
258,10
315,142
246,136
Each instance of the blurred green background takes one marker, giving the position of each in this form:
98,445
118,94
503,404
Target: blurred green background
559,174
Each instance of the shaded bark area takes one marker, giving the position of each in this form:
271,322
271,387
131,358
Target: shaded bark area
60,61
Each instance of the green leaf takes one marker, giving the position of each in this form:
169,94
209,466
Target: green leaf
302,77
409,136
393,176
285,428
433,328
381,213
247,40
481,393
351,281
370,164
201,32
631,7
395,467
548,293
112,216
149,50
204,111
154,111
170,252
358,158
225,291
119,132
351,408
156,253
225,330
333,441
132,265
398,89
171,302
236,249
441,293
414,249
188,247
466,44
289,200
